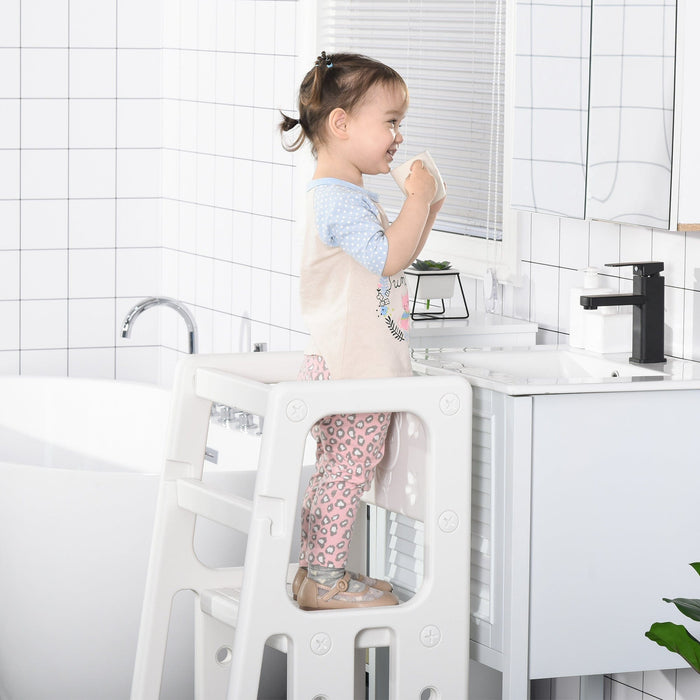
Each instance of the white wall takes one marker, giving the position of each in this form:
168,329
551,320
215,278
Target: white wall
79,178
554,249
228,219
681,684
94,96
90,223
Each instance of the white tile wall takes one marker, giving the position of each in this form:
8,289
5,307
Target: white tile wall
80,146
681,684
227,210
554,250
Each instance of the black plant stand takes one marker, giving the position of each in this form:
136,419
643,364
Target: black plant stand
427,315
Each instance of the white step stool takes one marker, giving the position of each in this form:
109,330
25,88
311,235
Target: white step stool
428,635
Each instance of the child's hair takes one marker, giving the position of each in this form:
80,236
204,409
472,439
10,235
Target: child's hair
337,80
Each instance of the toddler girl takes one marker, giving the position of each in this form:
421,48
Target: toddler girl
354,300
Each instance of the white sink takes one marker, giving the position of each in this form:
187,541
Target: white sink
550,363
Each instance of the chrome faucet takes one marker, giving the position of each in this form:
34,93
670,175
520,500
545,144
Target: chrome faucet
647,300
147,303
235,418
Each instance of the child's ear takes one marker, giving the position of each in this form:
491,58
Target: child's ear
338,123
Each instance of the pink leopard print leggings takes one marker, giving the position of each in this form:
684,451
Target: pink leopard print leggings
348,449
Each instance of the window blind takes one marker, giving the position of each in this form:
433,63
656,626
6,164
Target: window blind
451,54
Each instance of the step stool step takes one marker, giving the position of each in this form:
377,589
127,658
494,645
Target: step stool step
215,504
223,605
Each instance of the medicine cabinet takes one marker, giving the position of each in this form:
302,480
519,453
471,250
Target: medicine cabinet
594,109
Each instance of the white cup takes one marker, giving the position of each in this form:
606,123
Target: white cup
401,172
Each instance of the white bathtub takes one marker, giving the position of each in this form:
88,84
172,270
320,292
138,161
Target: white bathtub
79,464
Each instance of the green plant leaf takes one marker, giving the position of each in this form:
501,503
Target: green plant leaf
431,265
677,639
696,566
690,607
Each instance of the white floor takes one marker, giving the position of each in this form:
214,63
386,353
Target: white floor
681,684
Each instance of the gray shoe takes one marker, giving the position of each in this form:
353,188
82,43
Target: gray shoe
379,584
314,596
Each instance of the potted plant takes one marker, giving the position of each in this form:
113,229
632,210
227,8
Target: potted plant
431,280
676,638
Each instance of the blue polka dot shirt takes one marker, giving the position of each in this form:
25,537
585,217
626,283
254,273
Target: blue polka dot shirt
347,217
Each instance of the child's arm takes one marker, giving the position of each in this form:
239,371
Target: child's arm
408,233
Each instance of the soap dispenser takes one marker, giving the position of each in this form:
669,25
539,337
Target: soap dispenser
577,319
608,330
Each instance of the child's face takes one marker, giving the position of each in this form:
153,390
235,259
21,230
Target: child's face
374,129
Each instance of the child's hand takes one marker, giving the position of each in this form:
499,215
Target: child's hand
436,206
420,183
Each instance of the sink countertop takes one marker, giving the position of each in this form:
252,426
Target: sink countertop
479,330
674,374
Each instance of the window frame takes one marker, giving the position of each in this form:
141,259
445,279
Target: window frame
472,256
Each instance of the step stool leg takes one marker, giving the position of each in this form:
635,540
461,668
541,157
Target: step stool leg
360,674
324,667
426,660
246,666
213,650
150,652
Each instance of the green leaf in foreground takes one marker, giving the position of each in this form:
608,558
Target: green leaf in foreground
676,638
690,607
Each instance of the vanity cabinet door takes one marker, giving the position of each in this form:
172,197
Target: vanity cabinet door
614,525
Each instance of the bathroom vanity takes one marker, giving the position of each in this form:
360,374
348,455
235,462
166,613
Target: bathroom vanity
584,511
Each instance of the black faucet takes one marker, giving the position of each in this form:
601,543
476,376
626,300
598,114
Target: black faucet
647,299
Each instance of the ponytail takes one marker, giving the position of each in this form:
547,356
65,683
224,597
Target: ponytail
311,97
287,124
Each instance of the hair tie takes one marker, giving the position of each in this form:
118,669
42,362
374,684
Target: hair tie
324,60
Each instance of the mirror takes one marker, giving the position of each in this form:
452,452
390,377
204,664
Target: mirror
551,107
630,117
594,109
